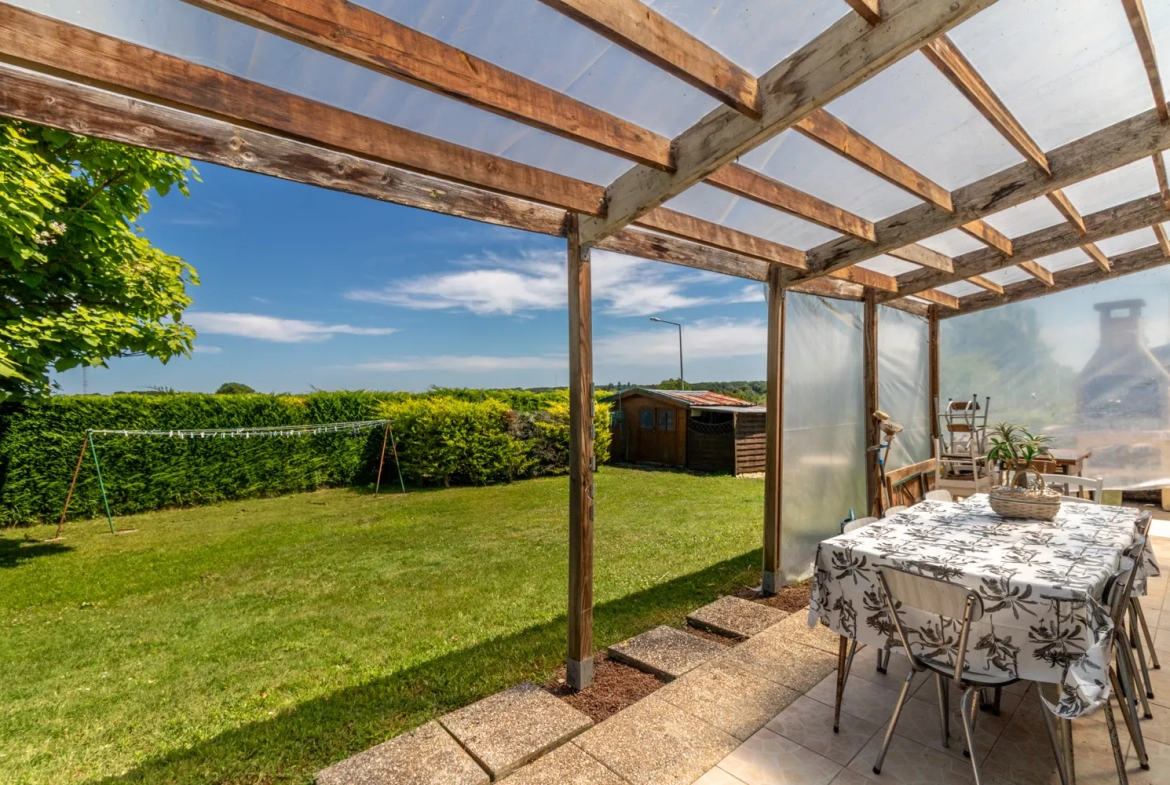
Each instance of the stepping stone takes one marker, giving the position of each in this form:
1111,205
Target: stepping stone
566,765
424,756
728,696
513,727
774,656
795,628
735,617
665,651
655,743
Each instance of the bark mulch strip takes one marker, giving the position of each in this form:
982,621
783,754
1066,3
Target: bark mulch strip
712,636
791,598
615,686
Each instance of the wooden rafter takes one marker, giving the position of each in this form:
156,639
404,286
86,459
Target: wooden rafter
1136,12
357,34
1163,240
921,255
1122,143
939,298
988,235
827,130
633,26
837,60
1096,255
870,278
1066,208
750,184
985,283
688,227
1120,219
945,56
1163,181
869,10
1034,269
1126,264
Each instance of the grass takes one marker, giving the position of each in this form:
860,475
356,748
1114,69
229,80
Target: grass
256,642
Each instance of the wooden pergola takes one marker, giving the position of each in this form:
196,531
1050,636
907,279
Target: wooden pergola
58,74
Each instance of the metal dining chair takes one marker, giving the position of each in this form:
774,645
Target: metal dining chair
1138,627
1116,596
939,496
1096,485
902,590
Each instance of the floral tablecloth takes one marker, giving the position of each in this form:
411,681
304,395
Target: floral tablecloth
1040,581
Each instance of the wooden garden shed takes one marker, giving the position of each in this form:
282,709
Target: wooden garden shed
695,429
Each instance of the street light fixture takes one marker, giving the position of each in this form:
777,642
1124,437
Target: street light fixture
682,385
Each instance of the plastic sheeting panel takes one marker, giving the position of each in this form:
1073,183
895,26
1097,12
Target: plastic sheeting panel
824,435
904,383
1088,367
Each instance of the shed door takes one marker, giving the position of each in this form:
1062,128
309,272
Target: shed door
666,428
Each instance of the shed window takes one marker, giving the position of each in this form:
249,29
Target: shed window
666,419
646,420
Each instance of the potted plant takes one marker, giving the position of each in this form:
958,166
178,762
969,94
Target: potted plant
1015,449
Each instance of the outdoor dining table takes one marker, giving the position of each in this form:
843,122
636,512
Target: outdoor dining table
1041,584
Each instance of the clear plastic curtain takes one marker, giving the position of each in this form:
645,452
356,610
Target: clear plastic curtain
824,436
904,383
1086,367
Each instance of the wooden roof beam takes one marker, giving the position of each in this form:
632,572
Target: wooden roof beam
947,58
869,10
750,184
358,35
1136,12
1128,217
986,284
1066,208
1098,257
1034,269
842,57
1163,181
867,277
938,298
1085,275
688,227
1163,240
988,235
921,255
1122,143
645,32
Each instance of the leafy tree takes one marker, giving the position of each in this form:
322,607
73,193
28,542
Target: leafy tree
80,282
234,388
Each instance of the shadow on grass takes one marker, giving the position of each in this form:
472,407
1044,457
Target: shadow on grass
292,746
15,552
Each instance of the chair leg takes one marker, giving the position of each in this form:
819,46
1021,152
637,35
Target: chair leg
1066,734
1118,757
969,708
1053,738
845,652
1130,716
877,767
883,661
1141,614
1141,654
944,709
1131,667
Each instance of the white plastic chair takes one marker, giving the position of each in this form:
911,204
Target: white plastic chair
895,510
965,474
1070,481
939,496
857,524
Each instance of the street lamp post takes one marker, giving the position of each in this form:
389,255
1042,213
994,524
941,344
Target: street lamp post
682,385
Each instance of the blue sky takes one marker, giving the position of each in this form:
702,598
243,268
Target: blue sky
304,287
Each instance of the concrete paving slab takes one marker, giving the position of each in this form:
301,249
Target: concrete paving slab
735,617
513,727
774,656
566,765
424,756
656,743
795,628
728,696
665,651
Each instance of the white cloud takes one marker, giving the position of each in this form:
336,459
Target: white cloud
272,328
207,349
702,339
470,363
535,281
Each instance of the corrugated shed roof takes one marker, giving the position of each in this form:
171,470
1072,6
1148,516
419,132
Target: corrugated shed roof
691,397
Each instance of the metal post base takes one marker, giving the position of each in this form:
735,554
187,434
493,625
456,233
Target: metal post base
771,583
579,675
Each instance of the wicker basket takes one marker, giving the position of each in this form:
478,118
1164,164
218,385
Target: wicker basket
1014,501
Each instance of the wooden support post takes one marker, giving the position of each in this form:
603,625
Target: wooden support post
934,379
580,656
773,577
873,436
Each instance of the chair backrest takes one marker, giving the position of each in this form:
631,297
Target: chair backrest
942,598
1096,485
939,496
1144,522
1119,586
857,524
897,508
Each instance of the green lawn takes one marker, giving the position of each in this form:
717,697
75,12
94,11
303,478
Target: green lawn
258,641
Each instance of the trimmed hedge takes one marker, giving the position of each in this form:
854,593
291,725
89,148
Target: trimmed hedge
441,440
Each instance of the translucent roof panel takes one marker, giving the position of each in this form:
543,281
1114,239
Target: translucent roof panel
712,204
1007,276
1065,68
1027,217
952,243
1074,257
1113,188
888,265
912,111
1132,241
802,163
961,288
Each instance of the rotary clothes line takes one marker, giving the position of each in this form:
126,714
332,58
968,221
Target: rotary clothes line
275,431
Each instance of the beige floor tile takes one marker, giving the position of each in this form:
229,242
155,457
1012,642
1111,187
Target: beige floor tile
775,657
810,724
728,696
1023,753
865,667
910,763
769,759
851,777
795,628
1159,773
718,776
866,700
920,722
